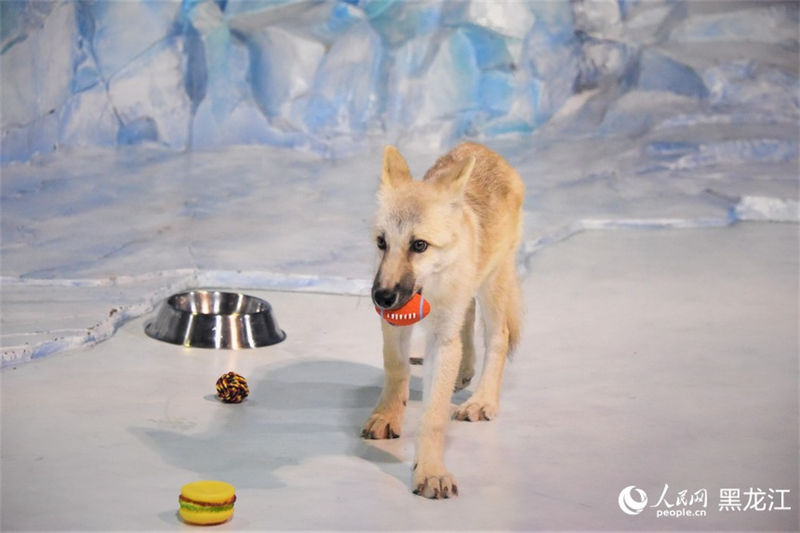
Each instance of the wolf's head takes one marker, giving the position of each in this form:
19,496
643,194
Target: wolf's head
417,228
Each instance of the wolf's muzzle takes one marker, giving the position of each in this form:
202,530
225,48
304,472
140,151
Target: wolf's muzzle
388,295
385,298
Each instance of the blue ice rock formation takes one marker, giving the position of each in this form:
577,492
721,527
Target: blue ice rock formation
341,97
329,74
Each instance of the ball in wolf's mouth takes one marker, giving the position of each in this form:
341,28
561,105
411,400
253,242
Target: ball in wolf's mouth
412,312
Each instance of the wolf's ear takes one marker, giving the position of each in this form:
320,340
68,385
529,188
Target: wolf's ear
456,181
395,169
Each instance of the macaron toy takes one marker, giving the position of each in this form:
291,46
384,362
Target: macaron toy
206,503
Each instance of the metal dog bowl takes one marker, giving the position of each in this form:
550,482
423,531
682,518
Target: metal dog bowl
214,319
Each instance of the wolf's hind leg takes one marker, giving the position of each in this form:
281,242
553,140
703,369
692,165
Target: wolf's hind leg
467,369
499,301
386,419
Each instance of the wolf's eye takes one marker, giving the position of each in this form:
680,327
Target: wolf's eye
381,243
419,246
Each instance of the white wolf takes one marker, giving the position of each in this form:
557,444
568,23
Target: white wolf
452,236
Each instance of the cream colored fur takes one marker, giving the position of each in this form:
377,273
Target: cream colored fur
467,209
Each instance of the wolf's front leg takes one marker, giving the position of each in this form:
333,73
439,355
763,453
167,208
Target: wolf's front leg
430,478
386,419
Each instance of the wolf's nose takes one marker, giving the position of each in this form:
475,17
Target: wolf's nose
384,298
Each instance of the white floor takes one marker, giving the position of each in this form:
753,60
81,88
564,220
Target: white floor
664,359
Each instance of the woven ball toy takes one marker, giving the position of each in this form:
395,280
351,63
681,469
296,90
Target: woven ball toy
232,388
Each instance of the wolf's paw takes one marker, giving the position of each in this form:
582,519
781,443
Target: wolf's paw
434,483
476,410
463,380
381,425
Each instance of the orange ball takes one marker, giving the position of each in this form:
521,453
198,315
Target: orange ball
412,312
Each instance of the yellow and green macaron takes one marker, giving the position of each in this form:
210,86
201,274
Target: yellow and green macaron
207,503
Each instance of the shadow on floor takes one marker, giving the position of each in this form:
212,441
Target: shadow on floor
294,413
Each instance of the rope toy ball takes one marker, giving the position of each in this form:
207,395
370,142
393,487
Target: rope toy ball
232,388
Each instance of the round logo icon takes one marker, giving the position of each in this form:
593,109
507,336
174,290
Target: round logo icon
628,503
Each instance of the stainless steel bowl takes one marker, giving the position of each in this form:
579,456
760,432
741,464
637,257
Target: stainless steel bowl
215,319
